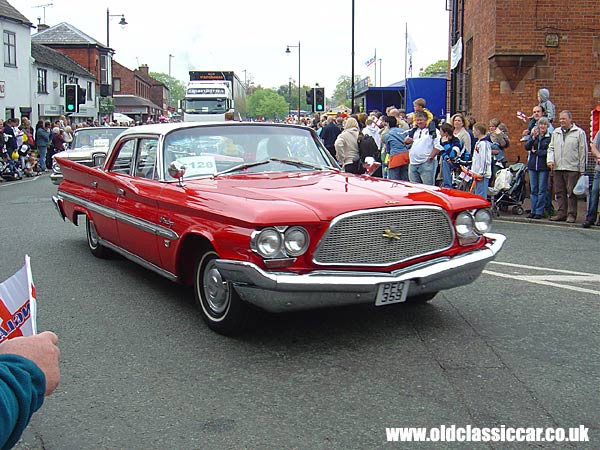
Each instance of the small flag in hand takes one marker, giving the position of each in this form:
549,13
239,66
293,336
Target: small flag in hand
521,115
18,305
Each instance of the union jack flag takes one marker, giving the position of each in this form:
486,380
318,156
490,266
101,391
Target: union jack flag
521,115
18,304
370,61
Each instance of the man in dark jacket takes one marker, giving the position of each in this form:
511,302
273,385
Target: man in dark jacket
329,135
11,140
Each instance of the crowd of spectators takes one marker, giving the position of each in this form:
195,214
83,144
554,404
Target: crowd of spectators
421,147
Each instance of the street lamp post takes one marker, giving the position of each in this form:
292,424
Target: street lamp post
287,50
122,22
170,56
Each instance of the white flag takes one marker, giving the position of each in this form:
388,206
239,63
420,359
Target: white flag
456,54
18,305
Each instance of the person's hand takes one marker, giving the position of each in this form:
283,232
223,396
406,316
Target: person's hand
42,350
550,165
525,132
408,140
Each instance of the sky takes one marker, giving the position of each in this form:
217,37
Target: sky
250,38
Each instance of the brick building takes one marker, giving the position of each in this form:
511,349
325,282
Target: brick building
513,48
133,92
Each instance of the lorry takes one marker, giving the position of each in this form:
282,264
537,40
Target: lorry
210,95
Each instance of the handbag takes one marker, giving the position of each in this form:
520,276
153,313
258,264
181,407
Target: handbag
582,186
398,160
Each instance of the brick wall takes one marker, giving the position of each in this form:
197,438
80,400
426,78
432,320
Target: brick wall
571,71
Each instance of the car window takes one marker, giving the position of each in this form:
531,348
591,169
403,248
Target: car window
210,150
122,162
145,166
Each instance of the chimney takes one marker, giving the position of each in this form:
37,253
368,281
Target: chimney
144,69
41,27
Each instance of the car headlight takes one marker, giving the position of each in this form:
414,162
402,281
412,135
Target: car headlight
483,221
464,224
295,241
268,243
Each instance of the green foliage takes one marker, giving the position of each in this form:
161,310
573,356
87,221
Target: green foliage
267,103
176,87
342,89
438,67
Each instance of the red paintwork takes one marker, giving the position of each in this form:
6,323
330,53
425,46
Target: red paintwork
227,209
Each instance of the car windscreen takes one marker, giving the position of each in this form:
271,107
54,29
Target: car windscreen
95,137
206,106
214,149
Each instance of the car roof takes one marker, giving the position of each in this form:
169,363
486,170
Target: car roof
164,128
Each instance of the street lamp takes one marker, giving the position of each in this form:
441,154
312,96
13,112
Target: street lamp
170,56
122,22
287,50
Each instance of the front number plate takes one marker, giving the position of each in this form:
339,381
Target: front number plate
389,293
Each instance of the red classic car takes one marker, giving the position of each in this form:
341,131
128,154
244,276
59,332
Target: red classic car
260,216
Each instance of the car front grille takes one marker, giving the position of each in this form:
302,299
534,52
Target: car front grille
386,236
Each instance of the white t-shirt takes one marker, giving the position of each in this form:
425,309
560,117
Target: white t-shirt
423,145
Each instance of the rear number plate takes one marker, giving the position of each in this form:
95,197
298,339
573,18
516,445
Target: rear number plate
389,293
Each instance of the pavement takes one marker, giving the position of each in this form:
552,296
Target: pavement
581,213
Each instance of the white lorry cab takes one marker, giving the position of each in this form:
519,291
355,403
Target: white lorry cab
209,96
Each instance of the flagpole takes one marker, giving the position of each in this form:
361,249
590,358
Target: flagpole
375,67
405,61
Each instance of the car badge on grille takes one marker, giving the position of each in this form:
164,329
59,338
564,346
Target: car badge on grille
387,233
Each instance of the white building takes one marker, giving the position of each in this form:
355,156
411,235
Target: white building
15,66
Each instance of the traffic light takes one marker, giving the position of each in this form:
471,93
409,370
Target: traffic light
71,104
319,99
310,97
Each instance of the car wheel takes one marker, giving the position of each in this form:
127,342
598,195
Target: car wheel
221,307
421,299
97,249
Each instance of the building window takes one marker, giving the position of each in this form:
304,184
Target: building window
10,49
63,81
116,85
105,69
42,81
89,90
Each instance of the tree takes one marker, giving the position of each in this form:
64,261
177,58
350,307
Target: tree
436,68
176,87
342,89
268,104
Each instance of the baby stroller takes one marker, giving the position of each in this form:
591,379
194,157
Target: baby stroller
509,189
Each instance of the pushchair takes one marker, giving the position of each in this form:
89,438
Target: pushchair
504,195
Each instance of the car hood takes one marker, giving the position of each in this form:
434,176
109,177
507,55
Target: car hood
325,194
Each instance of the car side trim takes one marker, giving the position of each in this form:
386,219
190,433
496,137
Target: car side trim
111,213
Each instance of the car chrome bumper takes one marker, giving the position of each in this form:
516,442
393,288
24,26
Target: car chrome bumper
58,205
279,291
56,177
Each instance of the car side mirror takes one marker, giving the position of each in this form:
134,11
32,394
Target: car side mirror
177,170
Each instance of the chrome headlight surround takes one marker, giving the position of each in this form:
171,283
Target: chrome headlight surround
268,243
280,242
471,225
295,241
483,221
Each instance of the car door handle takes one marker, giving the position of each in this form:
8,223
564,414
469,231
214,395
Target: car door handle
121,191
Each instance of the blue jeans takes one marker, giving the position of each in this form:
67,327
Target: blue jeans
538,181
398,173
446,173
42,156
592,211
481,187
422,173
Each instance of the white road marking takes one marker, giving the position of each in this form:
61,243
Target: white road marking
551,280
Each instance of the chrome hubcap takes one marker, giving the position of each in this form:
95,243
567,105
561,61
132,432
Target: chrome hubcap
92,234
216,290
